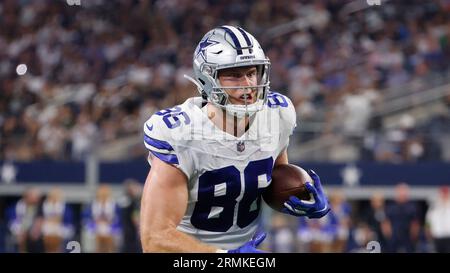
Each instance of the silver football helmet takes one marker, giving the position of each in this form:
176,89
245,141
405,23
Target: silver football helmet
229,47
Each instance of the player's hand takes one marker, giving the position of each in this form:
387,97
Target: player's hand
250,246
317,209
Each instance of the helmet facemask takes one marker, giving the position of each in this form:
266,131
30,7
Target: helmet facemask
220,95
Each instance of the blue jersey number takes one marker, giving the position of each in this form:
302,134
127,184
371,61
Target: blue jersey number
171,117
219,190
275,99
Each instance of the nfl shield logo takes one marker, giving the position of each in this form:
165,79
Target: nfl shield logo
240,146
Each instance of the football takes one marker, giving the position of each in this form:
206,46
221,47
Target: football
287,180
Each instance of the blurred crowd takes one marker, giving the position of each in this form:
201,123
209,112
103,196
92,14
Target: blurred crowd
96,71
109,223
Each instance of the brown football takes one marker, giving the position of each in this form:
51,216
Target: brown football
287,180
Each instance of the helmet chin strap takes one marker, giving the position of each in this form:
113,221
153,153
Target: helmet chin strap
232,110
237,114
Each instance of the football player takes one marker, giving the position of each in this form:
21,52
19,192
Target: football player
212,156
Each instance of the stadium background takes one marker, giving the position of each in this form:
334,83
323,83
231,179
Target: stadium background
370,83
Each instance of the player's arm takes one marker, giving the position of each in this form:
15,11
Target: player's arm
282,158
163,205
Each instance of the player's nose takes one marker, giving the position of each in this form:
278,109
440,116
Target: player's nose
246,81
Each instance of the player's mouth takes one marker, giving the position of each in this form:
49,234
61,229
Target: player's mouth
246,99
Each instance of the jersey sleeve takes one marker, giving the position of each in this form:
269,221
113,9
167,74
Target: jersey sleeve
288,117
163,143
289,123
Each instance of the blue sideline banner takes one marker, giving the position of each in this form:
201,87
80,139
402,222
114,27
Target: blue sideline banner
351,174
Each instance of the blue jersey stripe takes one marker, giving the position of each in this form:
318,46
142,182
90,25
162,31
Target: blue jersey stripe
159,144
171,159
235,40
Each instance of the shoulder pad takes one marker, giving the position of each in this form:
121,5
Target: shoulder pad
288,116
162,133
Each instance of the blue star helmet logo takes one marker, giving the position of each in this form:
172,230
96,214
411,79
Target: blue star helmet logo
203,45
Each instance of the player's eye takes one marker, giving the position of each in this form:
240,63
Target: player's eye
233,77
251,73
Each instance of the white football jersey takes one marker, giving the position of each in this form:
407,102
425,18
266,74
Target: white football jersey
226,174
